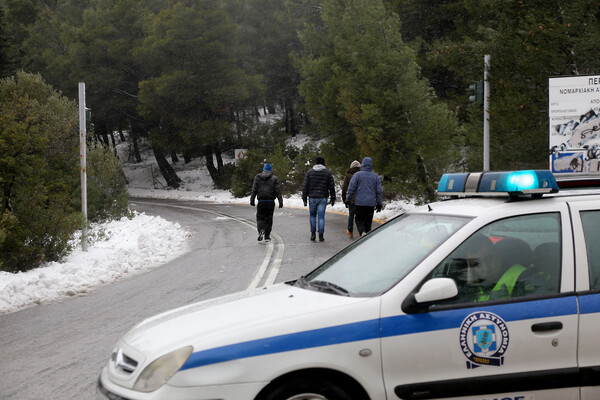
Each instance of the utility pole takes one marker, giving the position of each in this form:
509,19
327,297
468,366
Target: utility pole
82,158
486,114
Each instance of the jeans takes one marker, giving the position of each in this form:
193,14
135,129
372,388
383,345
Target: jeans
316,209
351,212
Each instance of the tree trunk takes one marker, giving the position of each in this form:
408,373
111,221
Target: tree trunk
174,157
256,113
101,133
210,164
165,169
134,140
429,191
112,139
121,136
291,128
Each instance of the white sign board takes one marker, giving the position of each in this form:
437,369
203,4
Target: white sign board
240,154
574,110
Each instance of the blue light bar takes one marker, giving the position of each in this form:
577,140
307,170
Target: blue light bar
513,183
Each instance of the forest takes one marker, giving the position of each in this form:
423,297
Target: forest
387,79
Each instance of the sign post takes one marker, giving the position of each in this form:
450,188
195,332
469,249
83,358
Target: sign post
82,158
486,113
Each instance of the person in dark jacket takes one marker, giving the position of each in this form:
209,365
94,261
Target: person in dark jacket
318,184
265,188
366,185
354,168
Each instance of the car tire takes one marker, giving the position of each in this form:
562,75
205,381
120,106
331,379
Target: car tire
308,389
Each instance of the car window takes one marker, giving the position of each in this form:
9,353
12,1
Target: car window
591,229
512,257
380,259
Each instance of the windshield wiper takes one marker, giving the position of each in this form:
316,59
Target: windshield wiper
328,287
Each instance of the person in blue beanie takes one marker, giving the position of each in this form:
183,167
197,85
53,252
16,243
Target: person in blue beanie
265,189
366,185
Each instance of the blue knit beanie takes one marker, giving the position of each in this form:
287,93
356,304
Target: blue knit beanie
268,167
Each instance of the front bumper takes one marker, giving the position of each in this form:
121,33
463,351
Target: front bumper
103,394
106,390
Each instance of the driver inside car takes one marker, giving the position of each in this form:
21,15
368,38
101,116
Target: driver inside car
486,277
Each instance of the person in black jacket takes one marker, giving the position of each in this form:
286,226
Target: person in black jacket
265,188
318,184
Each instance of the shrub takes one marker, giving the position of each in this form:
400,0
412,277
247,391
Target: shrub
289,165
244,173
38,172
106,187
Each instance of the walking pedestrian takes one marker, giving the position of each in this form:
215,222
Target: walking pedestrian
366,185
265,188
318,185
354,168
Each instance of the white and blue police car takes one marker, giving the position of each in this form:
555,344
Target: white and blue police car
491,294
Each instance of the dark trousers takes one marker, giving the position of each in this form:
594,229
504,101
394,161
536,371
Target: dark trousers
364,218
264,216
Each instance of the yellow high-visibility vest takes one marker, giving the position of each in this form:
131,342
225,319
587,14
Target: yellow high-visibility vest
508,279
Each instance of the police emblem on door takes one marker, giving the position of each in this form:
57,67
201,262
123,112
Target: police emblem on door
484,339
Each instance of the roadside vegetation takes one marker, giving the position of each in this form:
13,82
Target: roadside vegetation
387,79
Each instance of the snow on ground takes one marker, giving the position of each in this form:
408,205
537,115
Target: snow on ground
116,249
128,246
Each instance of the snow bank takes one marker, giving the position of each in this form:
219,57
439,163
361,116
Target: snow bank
116,249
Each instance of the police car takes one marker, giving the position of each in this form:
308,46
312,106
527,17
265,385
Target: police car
475,297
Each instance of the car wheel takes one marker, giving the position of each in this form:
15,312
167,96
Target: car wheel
308,389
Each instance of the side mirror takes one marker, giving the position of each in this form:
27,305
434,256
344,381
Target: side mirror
436,289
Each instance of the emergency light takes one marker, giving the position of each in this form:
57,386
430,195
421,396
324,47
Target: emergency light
512,183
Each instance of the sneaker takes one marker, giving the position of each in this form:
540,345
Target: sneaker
321,238
313,236
267,238
349,233
260,235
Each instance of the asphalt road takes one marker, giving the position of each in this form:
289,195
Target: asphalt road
57,350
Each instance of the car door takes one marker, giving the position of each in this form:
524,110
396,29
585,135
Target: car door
586,227
517,346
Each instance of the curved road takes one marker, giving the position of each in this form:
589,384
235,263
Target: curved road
57,350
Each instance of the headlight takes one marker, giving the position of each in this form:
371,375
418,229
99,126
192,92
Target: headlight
161,370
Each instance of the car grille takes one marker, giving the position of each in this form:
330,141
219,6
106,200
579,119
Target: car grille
123,362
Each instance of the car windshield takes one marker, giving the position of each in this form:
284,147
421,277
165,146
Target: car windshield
379,260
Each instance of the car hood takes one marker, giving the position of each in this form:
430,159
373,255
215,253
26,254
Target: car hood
276,310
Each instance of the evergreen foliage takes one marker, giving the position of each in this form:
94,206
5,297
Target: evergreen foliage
383,78
38,169
528,41
40,174
289,165
106,187
368,77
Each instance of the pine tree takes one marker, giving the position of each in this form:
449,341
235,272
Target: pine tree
536,40
5,58
195,80
369,77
